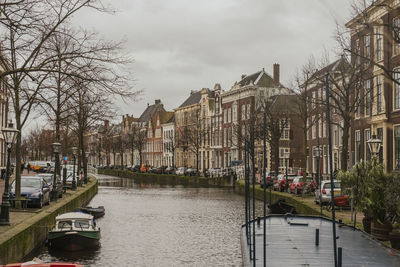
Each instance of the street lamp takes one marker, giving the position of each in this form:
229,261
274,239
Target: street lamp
286,156
9,135
317,153
56,151
74,152
87,164
374,145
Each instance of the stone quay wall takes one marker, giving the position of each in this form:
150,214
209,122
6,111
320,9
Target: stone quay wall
170,179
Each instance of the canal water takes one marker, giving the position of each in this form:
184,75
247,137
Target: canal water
149,225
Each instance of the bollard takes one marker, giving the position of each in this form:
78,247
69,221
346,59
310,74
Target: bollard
258,221
317,237
339,257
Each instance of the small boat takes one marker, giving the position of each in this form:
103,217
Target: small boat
96,212
38,263
74,231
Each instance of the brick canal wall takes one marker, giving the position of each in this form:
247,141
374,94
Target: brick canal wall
25,236
301,208
169,179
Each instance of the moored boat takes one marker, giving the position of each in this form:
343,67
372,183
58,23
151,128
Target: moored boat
96,212
74,231
38,263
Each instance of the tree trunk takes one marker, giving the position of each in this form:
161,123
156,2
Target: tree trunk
345,147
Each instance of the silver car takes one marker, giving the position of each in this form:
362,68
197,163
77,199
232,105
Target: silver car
325,193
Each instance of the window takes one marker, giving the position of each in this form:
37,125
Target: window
336,135
358,106
396,164
379,94
235,112
367,44
358,147
357,52
229,114
243,114
313,128
367,151
282,157
248,111
379,44
367,97
396,35
217,105
380,136
397,88
313,100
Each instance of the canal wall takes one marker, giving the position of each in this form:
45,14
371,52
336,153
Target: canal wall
170,179
297,202
25,236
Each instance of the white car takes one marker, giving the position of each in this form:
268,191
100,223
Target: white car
326,191
181,171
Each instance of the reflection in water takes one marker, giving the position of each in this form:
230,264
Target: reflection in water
148,226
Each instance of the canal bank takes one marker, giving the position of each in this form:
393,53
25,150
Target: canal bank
170,179
29,228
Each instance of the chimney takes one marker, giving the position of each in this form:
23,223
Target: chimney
158,101
243,76
276,75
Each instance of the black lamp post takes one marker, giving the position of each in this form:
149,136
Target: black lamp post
317,153
286,155
56,151
87,165
74,152
9,135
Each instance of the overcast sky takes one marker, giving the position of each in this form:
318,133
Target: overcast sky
184,45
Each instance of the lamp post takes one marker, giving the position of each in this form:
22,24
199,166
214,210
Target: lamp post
317,153
9,135
374,145
87,164
56,151
74,152
286,155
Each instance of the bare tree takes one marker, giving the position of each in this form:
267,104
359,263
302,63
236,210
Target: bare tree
139,140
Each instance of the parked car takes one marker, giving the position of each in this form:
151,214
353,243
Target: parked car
160,170
135,168
215,172
145,167
34,189
181,171
49,178
325,196
296,186
191,172
169,170
270,176
281,181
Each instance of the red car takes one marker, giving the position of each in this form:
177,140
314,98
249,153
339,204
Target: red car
280,185
297,185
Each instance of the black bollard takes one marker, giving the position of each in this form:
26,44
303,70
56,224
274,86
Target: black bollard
339,257
317,237
258,221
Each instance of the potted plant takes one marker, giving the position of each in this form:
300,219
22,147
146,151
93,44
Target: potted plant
394,236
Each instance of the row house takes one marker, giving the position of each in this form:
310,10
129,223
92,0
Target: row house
317,134
375,42
186,121
239,104
169,142
151,120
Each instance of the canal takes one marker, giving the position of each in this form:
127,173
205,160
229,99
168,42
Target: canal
162,226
